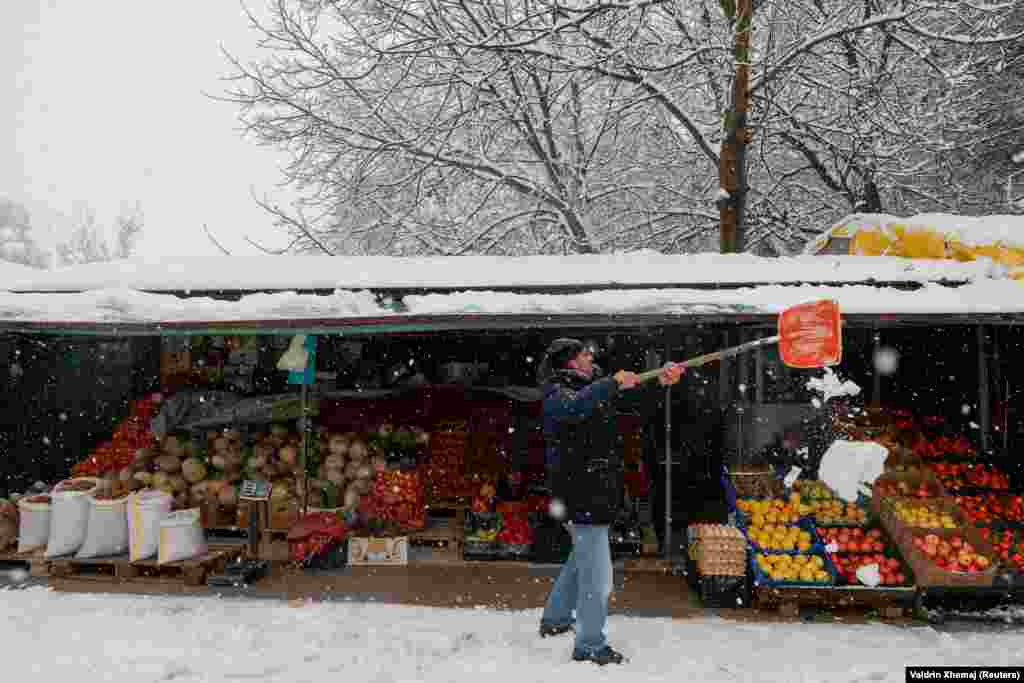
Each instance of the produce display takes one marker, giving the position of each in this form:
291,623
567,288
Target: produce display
955,476
943,447
784,568
989,508
446,473
1008,546
890,568
131,434
397,499
828,512
905,489
781,538
812,490
515,532
954,554
769,511
852,540
922,514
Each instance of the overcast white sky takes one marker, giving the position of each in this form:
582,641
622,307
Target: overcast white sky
103,103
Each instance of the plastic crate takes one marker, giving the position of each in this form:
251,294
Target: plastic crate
335,557
762,579
725,592
804,525
481,550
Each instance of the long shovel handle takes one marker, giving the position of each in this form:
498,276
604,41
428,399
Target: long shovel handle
717,355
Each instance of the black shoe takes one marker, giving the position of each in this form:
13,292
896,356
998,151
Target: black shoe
605,655
554,629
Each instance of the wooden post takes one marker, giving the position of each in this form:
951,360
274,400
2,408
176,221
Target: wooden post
732,174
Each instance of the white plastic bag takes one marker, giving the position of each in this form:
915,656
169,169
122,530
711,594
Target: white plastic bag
869,575
145,510
847,466
69,515
33,523
181,537
107,533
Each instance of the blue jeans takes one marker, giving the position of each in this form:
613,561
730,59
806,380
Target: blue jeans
584,584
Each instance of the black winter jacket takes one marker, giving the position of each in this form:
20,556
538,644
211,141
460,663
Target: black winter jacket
583,446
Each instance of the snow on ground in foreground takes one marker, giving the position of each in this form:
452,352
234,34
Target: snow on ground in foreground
95,637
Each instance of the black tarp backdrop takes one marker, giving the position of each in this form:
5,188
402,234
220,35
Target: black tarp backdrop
63,395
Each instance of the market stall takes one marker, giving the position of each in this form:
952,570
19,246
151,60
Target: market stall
420,425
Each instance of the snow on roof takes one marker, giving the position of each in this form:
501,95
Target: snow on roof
131,306
637,269
14,272
969,230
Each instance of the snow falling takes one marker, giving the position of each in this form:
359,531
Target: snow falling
887,361
830,385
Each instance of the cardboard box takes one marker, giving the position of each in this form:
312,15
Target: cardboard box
378,551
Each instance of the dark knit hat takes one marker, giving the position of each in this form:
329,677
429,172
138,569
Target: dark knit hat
557,356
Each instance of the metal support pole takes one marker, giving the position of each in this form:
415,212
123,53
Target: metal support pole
984,409
668,471
876,386
303,454
759,372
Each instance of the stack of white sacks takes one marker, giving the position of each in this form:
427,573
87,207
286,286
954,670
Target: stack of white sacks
77,520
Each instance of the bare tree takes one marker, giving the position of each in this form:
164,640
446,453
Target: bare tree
88,244
129,224
457,126
16,242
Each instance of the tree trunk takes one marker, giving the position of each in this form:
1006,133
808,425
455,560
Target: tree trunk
732,170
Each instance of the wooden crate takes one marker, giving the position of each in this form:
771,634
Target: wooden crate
927,573
892,603
274,545
120,568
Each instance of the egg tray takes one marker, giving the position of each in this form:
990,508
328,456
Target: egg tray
762,579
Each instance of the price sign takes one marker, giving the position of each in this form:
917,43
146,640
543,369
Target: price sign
810,335
255,490
792,476
832,548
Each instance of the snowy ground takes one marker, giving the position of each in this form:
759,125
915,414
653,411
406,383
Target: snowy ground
95,637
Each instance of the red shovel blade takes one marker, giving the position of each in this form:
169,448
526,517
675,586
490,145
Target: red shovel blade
810,335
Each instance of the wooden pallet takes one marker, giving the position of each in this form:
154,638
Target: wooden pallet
891,603
32,561
120,568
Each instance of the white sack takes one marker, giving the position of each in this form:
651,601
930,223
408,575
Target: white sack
69,517
107,533
849,465
181,537
33,525
145,510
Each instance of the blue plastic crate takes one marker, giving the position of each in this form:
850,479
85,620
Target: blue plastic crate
817,546
762,579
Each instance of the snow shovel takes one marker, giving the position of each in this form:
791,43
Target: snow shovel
810,336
